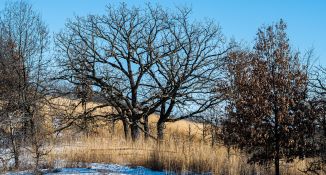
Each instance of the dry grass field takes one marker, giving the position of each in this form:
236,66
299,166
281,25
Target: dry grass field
183,151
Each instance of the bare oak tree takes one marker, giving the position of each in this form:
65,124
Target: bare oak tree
122,46
186,79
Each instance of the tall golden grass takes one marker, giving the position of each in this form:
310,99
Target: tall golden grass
177,153
183,150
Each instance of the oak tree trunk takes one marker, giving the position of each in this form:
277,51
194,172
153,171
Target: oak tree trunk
125,128
134,131
160,130
146,127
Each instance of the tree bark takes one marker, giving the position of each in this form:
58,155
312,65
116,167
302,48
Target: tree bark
134,130
277,145
146,127
160,130
277,164
16,159
125,128
15,146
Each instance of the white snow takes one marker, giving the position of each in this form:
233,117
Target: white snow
98,169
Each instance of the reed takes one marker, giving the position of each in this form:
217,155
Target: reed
177,153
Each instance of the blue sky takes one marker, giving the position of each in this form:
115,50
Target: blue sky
239,19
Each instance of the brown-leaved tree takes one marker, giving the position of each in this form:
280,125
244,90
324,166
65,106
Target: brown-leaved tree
268,112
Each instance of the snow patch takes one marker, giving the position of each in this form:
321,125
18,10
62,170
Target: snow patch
98,169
